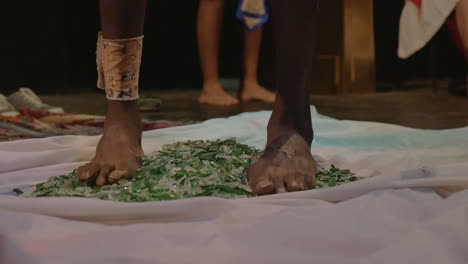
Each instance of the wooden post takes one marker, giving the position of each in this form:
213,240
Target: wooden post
345,61
359,47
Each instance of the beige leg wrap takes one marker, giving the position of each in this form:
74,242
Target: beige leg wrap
118,64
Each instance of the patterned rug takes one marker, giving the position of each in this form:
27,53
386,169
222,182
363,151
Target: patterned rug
39,124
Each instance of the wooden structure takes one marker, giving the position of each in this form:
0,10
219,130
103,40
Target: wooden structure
345,61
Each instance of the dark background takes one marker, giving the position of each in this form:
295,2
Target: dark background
50,47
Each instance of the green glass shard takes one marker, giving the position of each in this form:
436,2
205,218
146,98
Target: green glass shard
181,170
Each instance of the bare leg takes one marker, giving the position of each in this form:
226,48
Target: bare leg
210,15
118,154
251,90
462,21
287,164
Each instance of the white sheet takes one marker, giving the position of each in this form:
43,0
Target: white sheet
394,217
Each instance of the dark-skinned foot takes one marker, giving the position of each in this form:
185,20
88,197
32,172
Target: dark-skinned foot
286,166
119,152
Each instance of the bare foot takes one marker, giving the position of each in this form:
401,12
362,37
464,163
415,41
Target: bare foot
286,165
119,152
215,95
252,91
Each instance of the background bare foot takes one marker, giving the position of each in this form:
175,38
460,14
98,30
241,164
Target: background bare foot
119,152
286,166
215,95
253,91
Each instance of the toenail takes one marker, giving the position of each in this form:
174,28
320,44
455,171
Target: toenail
85,175
281,190
264,184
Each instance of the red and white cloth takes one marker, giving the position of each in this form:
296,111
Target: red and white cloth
420,21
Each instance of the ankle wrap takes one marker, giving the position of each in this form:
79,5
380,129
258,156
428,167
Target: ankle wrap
118,64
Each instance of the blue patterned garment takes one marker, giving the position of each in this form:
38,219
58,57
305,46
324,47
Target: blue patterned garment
252,13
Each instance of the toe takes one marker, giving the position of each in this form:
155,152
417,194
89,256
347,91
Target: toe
103,175
309,180
88,172
271,98
82,172
229,101
218,100
279,184
93,172
264,187
117,175
234,101
258,181
293,183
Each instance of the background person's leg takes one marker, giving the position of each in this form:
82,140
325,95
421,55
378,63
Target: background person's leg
210,17
462,21
287,163
118,154
251,90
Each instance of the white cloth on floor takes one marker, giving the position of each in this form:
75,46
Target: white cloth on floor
419,25
397,216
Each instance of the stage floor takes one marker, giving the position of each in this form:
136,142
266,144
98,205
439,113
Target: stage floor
417,109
